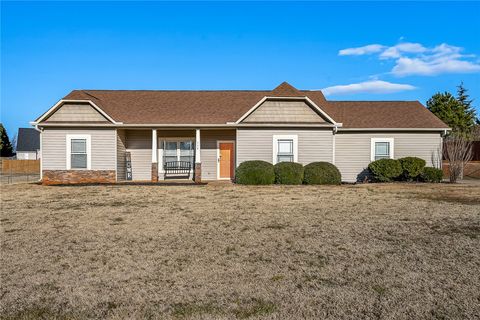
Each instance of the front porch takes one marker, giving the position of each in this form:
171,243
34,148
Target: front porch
159,154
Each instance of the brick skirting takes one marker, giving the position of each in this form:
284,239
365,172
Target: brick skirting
154,172
50,177
198,173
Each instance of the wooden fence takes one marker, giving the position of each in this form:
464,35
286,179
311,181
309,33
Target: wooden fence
20,166
475,151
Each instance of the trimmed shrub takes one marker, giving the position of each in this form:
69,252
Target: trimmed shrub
321,173
255,172
385,170
430,174
288,173
412,167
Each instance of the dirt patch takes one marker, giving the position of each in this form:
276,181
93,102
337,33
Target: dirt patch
398,251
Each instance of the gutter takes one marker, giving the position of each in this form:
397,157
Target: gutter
394,129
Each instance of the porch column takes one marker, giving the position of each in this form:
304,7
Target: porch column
154,156
198,161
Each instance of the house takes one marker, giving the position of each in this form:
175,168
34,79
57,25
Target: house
110,136
28,144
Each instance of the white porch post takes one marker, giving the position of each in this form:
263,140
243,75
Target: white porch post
198,161
154,156
197,146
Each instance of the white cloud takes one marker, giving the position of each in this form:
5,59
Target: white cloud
371,48
416,59
426,67
374,86
404,47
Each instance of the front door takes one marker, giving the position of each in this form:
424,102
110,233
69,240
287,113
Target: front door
226,160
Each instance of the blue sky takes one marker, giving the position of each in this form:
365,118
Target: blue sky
358,50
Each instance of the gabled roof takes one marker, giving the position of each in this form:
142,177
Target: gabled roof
286,90
28,139
178,107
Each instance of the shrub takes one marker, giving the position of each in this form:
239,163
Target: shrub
430,174
321,173
385,170
288,173
412,167
255,172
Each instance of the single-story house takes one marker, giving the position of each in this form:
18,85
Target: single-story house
28,144
118,135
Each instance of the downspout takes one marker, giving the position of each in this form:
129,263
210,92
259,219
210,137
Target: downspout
41,150
334,132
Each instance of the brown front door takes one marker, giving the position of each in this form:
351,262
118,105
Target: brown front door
226,160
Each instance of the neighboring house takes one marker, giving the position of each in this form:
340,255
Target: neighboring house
89,135
28,144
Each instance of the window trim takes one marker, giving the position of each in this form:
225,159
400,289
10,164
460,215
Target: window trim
285,137
87,137
375,140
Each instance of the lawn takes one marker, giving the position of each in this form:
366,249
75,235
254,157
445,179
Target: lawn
392,251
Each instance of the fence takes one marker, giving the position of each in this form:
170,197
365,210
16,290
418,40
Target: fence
475,151
21,166
19,171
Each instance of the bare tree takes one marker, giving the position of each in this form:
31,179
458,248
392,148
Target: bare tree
14,143
457,151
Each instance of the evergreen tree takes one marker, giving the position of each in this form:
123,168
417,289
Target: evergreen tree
449,110
464,99
457,112
6,149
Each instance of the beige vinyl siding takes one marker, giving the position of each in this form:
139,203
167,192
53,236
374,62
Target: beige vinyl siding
257,144
352,150
139,144
76,112
208,153
54,144
176,134
283,112
121,159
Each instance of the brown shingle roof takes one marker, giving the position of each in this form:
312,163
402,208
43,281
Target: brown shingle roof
286,90
220,107
382,114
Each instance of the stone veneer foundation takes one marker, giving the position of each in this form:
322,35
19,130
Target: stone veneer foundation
50,177
198,173
154,172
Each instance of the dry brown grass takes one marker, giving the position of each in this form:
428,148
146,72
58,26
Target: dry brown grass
399,251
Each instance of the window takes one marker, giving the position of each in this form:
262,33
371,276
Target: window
170,153
78,152
381,148
285,148
178,151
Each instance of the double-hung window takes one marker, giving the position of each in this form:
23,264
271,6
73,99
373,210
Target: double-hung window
78,152
381,148
285,148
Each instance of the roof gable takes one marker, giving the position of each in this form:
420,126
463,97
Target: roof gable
285,111
76,112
